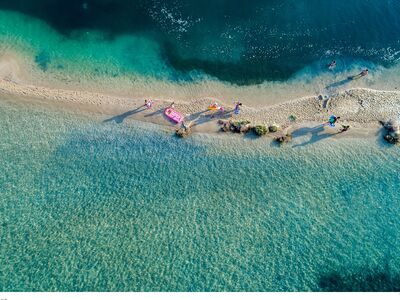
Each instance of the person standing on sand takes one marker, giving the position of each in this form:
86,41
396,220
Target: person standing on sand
237,108
148,104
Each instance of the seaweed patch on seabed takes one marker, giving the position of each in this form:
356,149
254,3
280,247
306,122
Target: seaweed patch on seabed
363,281
42,59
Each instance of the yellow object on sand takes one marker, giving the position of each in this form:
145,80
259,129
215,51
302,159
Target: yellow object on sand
214,107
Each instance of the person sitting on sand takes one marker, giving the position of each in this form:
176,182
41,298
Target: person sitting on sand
332,65
172,105
344,128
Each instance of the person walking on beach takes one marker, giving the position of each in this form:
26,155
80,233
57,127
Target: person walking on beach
237,108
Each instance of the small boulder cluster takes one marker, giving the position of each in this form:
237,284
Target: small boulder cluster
235,126
283,139
392,134
183,131
244,127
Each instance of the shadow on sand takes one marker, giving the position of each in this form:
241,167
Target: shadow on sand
338,84
120,118
316,134
201,117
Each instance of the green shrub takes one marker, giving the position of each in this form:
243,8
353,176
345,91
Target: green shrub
260,130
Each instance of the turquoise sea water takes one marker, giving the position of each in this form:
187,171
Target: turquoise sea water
93,206
181,40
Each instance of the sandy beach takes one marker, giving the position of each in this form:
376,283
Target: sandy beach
360,107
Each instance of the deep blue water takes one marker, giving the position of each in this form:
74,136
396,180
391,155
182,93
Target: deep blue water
237,41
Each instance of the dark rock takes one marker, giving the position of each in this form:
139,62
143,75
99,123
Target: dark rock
226,127
285,138
236,127
273,128
244,129
183,131
392,134
390,139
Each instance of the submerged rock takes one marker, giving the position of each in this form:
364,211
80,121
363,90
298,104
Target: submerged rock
42,59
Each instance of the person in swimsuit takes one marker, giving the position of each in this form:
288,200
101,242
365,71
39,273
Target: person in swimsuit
361,74
332,65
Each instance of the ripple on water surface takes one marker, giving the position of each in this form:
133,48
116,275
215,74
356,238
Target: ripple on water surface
97,206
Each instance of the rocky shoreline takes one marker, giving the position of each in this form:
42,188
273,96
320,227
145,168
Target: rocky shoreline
392,132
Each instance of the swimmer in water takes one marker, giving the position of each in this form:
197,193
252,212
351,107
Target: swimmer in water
361,74
332,65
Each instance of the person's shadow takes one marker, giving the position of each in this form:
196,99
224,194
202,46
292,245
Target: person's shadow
316,134
338,84
120,118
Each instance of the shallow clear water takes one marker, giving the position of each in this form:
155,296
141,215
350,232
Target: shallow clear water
87,205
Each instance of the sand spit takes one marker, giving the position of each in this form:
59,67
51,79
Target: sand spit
355,105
